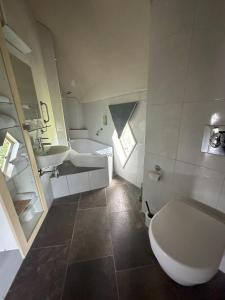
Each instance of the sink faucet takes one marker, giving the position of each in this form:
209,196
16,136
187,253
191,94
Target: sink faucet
40,144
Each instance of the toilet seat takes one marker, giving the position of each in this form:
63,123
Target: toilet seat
188,243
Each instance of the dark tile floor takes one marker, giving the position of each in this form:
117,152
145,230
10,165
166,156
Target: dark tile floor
95,246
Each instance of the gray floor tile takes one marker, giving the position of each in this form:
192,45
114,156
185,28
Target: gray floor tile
130,240
96,198
41,276
91,235
67,199
58,226
91,280
117,198
145,283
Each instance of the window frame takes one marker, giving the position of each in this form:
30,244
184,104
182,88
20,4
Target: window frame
127,156
7,167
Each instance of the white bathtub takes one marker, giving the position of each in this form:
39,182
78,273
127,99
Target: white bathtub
85,153
89,153
90,147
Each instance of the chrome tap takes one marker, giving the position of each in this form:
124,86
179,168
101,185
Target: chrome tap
98,131
40,144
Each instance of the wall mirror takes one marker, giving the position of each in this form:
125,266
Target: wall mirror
15,164
25,84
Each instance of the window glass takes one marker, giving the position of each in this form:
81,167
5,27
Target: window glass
125,145
127,140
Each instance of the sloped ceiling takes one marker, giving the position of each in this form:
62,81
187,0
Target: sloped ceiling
101,45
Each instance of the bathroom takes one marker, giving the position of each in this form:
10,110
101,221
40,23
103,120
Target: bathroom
108,109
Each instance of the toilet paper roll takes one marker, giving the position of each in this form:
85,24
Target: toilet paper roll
154,175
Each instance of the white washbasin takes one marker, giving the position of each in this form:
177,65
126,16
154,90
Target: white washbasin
52,156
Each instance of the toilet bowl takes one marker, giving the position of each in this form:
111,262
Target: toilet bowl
187,242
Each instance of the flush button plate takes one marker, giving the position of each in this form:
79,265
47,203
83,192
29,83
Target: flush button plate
207,141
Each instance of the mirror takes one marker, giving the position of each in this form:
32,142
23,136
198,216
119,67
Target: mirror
14,159
25,84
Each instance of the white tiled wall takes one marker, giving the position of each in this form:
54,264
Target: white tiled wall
187,92
163,132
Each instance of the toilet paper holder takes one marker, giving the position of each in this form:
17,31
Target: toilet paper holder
156,174
158,168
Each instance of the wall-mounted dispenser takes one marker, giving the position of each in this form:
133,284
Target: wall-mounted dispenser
213,141
105,120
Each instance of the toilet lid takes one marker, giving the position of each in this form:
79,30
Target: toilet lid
189,235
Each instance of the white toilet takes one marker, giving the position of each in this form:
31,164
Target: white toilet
187,242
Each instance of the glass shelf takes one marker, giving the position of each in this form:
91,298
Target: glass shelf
29,226
7,128
18,172
7,103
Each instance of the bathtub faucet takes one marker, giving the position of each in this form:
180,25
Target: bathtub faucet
98,131
69,142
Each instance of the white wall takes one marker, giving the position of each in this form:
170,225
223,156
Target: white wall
187,73
10,262
73,114
7,239
93,116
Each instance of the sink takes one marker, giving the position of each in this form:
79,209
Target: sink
51,156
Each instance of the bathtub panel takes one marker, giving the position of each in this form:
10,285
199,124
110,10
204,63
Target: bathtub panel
78,183
59,187
98,179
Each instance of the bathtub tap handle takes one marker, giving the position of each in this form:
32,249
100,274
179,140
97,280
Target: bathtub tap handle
98,131
69,142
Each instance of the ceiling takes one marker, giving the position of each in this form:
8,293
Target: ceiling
101,45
